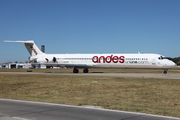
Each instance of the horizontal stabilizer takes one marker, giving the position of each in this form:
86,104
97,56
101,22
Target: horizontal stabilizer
31,47
21,41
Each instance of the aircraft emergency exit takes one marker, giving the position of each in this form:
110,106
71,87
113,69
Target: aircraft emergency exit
96,60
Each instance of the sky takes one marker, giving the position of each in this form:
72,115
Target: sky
90,26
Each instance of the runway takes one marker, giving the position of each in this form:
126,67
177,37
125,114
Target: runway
133,75
27,110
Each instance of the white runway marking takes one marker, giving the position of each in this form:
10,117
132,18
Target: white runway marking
20,118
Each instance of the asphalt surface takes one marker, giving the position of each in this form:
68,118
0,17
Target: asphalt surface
135,75
27,110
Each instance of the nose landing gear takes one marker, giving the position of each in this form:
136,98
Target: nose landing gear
165,71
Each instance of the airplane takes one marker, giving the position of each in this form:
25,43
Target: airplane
87,61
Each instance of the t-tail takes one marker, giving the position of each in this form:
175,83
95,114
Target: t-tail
31,47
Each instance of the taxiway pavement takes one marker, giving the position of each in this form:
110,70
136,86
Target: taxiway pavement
133,75
27,110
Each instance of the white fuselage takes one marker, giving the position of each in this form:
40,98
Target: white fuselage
96,60
107,60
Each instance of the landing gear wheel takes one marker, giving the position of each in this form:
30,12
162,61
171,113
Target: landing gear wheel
165,71
85,70
75,70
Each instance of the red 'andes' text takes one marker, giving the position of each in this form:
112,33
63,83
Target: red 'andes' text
108,59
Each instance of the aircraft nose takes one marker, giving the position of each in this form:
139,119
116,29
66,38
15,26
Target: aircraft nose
172,64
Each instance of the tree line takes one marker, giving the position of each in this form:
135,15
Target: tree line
176,60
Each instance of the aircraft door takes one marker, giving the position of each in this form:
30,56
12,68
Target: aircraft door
153,61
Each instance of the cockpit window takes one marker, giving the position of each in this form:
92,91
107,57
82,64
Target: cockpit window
161,58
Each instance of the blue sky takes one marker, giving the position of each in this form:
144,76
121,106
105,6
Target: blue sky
90,26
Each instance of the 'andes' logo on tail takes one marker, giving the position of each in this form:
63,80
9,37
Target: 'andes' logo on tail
34,50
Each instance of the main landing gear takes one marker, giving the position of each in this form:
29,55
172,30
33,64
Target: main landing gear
77,71
165,71
85,70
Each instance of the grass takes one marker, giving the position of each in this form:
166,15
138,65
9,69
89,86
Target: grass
153,96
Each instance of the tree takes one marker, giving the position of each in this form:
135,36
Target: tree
176,60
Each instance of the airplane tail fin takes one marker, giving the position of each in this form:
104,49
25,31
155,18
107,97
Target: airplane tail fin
31,47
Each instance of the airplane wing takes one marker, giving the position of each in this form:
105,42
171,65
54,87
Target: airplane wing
64,65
